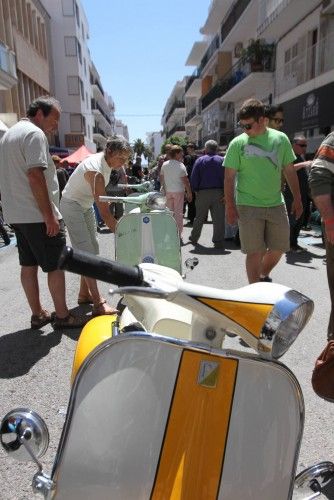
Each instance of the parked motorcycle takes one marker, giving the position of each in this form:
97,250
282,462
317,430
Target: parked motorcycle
169,416
146,233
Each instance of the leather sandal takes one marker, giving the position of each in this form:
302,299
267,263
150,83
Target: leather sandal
39,320
85,299
100,309
70,321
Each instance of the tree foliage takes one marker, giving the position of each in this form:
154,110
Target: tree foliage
176,140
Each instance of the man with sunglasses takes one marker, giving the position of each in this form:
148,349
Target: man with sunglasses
275,117
254,163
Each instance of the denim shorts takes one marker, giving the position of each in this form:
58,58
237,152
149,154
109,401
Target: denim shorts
36,248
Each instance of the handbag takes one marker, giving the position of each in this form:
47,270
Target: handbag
323,373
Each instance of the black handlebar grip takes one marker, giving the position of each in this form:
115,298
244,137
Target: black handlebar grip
93,266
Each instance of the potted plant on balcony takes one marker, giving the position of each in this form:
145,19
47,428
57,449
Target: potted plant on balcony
257,54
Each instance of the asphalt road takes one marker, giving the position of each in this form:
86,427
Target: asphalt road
35,366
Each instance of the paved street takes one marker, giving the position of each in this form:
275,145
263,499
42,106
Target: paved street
35,366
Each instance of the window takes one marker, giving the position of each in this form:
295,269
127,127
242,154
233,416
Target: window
76,122
82,90
85,67
83,31
73,85
70,46
77,15
79,52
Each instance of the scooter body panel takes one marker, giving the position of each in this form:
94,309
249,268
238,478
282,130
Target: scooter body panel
155,418
150,237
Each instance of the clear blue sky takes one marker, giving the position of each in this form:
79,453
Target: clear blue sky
139,48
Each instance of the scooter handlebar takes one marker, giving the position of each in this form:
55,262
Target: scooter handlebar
92,266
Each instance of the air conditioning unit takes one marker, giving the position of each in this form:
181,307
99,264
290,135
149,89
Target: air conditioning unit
238,49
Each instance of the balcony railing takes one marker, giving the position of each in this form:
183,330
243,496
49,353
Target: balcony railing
269,11
214,45
177,128
238,73
191,79
98,130
196,110
176,104
8,65
232,17
95,105
309,64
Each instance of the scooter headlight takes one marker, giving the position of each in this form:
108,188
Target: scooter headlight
283,325
156,201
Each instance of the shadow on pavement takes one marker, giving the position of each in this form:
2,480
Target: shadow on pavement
21,350
202,250
300,258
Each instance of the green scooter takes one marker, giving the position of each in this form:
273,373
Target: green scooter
147,233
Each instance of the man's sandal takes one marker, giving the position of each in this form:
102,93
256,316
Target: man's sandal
39,320
70,321
103,308
85,299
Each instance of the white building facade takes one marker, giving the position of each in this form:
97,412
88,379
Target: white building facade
69,35
278,51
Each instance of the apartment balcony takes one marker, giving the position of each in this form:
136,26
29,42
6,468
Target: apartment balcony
309,64
217,11
244,78
8,76
279,16
193,87
212,49
194,116
177,105
232,17
99,113
178,128
97,92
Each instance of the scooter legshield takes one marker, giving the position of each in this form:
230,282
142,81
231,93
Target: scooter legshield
157,418
148,237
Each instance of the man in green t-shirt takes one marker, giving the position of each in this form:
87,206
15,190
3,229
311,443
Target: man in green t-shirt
254,163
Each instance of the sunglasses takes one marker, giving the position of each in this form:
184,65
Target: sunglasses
278,120
301,145
246,126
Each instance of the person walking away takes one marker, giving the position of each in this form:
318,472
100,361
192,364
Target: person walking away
30,201
85,185
174,180
253,164
137,169
207,181
321,182
299,145
189,161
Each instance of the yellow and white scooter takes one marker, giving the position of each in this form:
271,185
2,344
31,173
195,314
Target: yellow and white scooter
173,415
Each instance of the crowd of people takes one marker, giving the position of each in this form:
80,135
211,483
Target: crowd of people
260,186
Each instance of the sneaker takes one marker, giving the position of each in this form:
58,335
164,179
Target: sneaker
268,279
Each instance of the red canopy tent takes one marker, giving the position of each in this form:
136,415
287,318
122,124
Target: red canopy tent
78,155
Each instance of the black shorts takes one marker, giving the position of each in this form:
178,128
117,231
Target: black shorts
36,248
